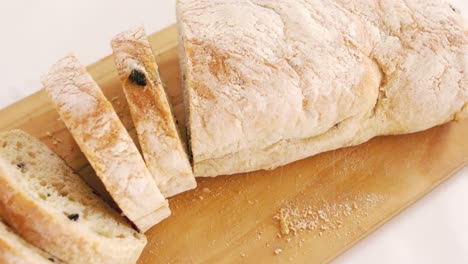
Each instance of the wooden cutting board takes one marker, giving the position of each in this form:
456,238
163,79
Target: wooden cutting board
326,203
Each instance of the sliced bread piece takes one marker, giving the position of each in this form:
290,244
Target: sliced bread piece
53,208
106,143
151,113
15,250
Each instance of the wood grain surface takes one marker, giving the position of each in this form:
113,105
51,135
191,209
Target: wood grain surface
338,197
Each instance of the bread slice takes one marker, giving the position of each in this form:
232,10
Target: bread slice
151,113
15,250
270,82
53,208
106,143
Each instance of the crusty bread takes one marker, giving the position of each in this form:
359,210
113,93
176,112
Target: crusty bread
15,250
151,113
106,143
270,82
53,209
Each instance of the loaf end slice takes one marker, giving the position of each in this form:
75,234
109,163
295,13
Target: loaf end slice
106,143
53,208
15,250
151,113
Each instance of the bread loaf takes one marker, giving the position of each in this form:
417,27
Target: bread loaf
269,82
151,113
53,208
106,143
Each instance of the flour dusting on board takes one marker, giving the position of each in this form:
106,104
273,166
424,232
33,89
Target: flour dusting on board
294,219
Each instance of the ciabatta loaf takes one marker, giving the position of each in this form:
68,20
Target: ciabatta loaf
151,113
269,82
15,250
106,143
53,208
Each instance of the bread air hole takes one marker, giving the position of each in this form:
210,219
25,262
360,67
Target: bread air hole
64,193
42,196
19,145
58,185
103,233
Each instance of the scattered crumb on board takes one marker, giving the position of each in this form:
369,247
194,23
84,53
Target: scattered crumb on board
55,141
116,101
295,219
313,215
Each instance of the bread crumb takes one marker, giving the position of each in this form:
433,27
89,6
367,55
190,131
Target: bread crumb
115,98
243,255
251,202
325,217
278,251
206,190
200,197
49,134
284,227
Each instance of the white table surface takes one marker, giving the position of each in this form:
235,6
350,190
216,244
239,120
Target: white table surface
35,33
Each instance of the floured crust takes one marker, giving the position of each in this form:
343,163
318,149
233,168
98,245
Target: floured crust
151,114
104,140
270,82
14,250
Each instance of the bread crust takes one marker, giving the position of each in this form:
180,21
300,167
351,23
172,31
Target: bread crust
14,250
104,140
151,113
271,82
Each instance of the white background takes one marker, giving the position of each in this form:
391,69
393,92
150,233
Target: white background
35,33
